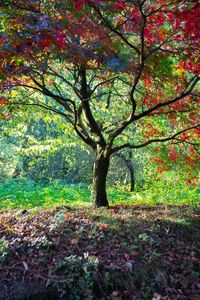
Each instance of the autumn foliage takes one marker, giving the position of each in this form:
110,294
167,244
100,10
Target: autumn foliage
148,48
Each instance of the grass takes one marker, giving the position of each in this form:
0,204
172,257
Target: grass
29,194
26,194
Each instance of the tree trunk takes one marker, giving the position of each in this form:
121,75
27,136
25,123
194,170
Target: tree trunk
132,174
130,166
100,171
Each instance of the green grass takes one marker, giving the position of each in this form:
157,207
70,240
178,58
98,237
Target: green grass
23,193
169,193
29,194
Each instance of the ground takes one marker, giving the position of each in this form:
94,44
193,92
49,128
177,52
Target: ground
126,252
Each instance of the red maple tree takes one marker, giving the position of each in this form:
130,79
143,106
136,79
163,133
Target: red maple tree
110,68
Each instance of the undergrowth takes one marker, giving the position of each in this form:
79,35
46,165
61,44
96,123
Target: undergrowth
23,193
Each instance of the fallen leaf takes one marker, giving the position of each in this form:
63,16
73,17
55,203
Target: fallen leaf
74,242
68,215
25,265
115,296
103,226
156,296
129,265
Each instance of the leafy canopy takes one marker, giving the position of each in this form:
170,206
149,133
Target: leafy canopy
107,66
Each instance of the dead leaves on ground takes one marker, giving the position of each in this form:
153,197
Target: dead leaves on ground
132,252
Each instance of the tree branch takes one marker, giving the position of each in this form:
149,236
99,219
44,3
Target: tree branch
62,101
128,145
114,30
85,96
184,94
47,107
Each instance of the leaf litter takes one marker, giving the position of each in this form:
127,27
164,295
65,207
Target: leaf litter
126,252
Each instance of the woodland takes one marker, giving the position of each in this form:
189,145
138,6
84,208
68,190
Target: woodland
99,150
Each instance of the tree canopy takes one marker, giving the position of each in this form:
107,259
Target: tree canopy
124,74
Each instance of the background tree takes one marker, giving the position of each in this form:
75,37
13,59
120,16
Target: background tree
93,59
127,158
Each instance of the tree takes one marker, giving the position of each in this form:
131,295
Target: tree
127,159
112,69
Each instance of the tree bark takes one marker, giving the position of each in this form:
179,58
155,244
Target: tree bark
132,174
130,166
100,171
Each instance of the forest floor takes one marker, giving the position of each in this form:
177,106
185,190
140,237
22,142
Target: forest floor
126,252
